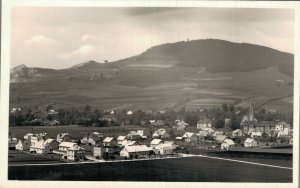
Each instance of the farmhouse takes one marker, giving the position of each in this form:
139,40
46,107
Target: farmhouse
155,142
204,123
42,146
190,137
75,153
63,137
23,145
135,151
250,142
160,133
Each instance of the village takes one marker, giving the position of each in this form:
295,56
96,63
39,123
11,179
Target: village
138,144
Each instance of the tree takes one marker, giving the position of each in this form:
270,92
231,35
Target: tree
219,123
224,107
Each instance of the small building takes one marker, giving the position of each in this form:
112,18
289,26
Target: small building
180,125
179,138
204,123
161,133
23,145
203,134
136,151
237,133
92,138
110,142
97,151
75,153
220,138
63,137
217,133
128,143
133,135
256,134
227,143
120,140
12,142
28,136
190,137
250,142
155,142
129,113
164,149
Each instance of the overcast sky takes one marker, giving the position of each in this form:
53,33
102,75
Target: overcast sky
62,37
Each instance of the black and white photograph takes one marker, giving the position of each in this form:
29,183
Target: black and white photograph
150,94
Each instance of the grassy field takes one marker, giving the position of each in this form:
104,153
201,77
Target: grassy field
178,170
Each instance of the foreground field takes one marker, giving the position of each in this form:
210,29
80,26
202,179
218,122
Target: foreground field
182,169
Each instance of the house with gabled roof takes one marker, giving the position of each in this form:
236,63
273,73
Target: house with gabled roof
250,142
190,137
23,145
92,138
64,146
155,142
135,151
204,123
63,137
161,133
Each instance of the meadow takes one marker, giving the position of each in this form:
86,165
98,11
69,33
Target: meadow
176,170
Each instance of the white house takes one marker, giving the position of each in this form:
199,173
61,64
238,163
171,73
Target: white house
135,151
129,113
164,149
155,142
190,137
250,142
75,153
227,143
64,146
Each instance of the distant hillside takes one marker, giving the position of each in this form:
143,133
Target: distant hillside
191,75
220,56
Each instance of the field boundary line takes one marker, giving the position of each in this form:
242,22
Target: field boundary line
246,162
